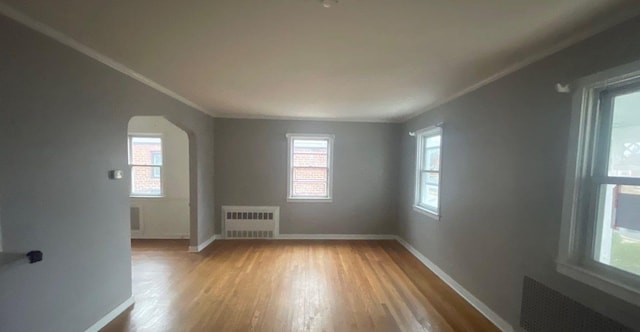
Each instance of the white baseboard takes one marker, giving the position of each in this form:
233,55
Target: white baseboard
335,237
160,237
111,315
204,244
502,324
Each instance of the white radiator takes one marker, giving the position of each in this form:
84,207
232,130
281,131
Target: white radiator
136,219
250,222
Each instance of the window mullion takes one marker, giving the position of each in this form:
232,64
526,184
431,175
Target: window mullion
144,165
312,167
625,181
602,139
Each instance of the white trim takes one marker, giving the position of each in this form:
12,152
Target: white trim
426,212
86,50
111,315
429,129
205,244
330,139
336,237
427,132
591,31
160,236
599,281
502,324
574,259
310,200
244,116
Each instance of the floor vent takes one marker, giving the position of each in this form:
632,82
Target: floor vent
250,222
544,309
136,219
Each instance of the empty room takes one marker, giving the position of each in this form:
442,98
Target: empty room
319,165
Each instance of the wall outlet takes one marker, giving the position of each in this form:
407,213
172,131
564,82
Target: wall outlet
116,174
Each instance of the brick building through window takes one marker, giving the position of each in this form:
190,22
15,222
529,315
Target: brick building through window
310,166
145,161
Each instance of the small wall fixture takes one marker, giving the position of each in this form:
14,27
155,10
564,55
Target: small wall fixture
563,88
328,3
116,174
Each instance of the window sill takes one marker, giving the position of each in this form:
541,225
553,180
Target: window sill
426,212
598,280
310,200
145,197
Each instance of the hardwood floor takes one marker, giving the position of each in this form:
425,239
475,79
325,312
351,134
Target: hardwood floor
290,286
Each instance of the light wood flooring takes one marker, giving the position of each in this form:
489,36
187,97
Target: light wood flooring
290,286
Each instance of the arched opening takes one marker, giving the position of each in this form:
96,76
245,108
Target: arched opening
160,190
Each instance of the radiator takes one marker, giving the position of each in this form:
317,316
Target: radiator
250,222
546,310
136,219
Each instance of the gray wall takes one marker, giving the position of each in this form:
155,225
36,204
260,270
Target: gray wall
504,149
63,126
251,158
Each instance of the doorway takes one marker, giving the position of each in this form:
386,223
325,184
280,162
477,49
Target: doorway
158,155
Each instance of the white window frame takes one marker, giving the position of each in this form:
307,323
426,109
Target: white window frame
329,196
578,235
421,136
146,135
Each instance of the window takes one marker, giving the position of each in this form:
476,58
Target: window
600,239
310,167
145,161
156,159
427,193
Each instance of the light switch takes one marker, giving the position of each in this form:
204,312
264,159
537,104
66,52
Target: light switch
116,174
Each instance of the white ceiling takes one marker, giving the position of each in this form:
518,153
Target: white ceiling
368,60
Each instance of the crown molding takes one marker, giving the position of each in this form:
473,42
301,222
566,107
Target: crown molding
584,34
38,26
62,38
300,118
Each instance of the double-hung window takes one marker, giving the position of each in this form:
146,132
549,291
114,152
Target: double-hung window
145,163
600,238
310,167
427,187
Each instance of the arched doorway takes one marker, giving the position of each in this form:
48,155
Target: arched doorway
160,193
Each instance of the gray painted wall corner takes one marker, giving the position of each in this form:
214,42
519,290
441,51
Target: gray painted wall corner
504,150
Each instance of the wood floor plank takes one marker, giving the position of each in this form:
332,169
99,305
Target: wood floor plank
290,286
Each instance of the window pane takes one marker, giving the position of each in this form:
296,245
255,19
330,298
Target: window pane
310,153
309,188
428,195
156,158
624,153
310,174
618,233
144,181
433,142
430,178
146,151
431,160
